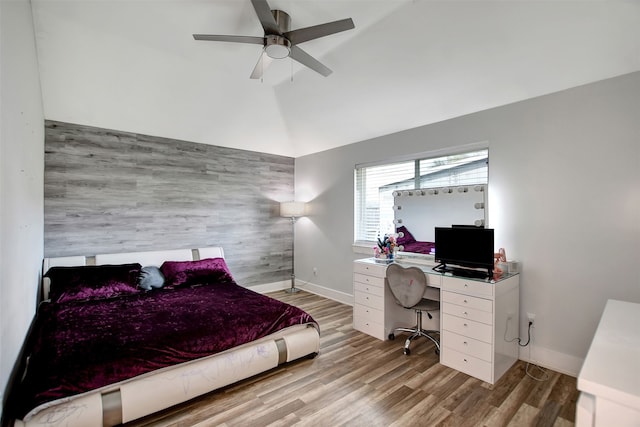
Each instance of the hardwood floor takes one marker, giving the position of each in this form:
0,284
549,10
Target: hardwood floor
357,380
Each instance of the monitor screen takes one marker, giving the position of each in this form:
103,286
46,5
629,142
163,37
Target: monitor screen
465,246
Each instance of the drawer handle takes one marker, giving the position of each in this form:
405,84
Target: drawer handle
465,360
465,313
465,301
464,342
465,325
466,286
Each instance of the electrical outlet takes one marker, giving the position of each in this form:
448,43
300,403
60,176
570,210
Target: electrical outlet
315,271
531,317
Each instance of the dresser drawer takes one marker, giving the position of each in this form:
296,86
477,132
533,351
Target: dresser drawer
370,269
468,364
467,313
466,345
368,314
374,329
369,289
467,328
467,287
370,300
371,280
467,301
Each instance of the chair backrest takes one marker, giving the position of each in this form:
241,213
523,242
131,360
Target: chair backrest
406,284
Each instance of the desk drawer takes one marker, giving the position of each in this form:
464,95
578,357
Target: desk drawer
368,327
371,280
369,289
467,287
369,300
370,269
467,313
468,301
467,328
367,314
468,364
466,345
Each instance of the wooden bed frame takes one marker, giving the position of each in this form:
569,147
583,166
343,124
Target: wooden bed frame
145,394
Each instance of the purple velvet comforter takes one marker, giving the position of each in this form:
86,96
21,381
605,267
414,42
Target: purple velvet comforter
419,247
80,346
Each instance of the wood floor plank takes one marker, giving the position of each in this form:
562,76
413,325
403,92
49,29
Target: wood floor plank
566,393
357,380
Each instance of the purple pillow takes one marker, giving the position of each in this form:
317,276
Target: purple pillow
407,238
92,282
208,270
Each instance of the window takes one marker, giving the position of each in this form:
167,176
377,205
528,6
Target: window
374,186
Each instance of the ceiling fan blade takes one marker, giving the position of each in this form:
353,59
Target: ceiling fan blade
302,35
235,39
265,16
305,59
261,65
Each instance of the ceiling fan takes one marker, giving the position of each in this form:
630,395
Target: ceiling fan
279,42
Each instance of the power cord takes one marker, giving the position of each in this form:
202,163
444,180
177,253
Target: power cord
544,375
506,329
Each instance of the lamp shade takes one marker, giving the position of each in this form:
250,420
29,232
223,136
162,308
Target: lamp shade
292,209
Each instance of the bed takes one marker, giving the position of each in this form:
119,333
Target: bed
110,344
408,243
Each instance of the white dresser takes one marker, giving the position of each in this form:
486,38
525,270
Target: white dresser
609,380
368,298
475,317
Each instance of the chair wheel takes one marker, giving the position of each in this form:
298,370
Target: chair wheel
407,351
392,337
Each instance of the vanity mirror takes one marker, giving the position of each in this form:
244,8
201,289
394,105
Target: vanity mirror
418,212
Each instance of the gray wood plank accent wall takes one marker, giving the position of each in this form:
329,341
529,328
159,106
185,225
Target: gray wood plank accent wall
108,191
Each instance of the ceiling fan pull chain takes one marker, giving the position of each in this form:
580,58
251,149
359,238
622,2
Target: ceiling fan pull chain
291,62
262,67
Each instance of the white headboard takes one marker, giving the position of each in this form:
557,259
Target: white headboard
155,258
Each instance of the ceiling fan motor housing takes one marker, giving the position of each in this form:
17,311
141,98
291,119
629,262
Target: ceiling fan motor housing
275,45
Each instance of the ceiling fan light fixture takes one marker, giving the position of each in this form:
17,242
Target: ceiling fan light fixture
277,47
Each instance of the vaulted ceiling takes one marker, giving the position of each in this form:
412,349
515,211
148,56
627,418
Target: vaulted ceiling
133,65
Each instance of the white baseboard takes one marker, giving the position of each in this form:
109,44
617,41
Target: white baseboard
332,294
551,359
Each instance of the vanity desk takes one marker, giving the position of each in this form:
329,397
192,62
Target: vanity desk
477,317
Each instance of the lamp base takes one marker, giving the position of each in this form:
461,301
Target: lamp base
292,290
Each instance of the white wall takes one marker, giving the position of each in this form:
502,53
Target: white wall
564,198
21,179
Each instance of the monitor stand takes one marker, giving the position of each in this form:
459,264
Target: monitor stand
463,272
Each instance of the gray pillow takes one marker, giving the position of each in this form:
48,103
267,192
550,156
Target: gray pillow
150,277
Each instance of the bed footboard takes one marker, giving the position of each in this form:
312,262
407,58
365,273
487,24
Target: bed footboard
158,390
